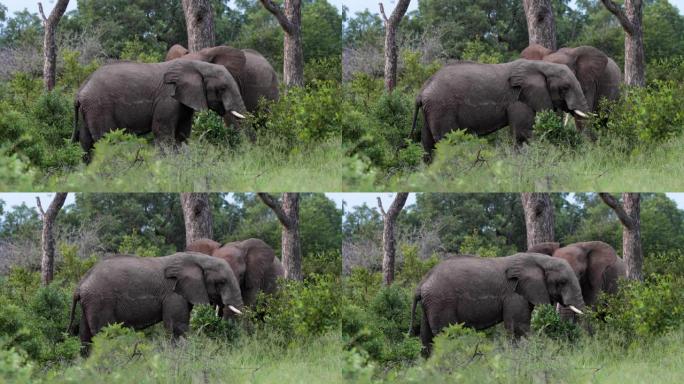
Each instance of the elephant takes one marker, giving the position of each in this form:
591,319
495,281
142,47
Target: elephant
482,98
142,291
253,262
255,76
157,97
482,292
598,75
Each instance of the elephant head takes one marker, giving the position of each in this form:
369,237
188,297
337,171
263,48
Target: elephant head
203,245
547,248
231,58
200,85
205,280
544,280
546,85
176,52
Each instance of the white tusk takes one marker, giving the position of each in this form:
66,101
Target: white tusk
238,115
217,310
580,113
234,310
577,311
558,307
566,119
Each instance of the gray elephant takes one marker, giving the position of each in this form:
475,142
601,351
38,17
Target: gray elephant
160,98
482,292
254,74
142,291
482,98
598,75
254,263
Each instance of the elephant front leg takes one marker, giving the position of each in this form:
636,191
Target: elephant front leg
176,315
521,121
517,315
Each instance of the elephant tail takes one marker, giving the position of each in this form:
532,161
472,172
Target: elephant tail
416,299
75,299
419,103
74,136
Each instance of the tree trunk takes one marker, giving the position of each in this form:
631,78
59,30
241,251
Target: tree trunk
288,215
290,20
631,20
199,22
541,25
47,264
538,217
49,44
629,214
391,55
197,216
388,242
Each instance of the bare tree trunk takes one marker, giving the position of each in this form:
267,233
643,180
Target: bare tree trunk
539,219
629,214
290,20
631,20
49,44
391,56
197,216
199,22
47,264
287,212
541,25
389,219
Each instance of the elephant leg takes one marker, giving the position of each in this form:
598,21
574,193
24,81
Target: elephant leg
517,315
165,123
428,143
176,315
426,335
184,128
99,316
86,140
521,121
437,124
84,329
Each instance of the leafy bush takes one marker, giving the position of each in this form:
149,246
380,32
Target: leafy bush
667,69
14,368
549,127
326,69
457,346
322,263
475,244
116,345
72,268
413,269
136,50
139,245
666,262
546,321
460,150
414,73
481,52
74,73
210,127
14,171
205,321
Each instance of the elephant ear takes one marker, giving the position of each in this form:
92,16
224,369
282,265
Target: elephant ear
601,265
235,257
530,281
190,283
232,58
590,63
532,84
175,52
188,84
259,260
535,52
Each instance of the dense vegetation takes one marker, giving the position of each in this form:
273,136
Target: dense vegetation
638,148
298,139
292,335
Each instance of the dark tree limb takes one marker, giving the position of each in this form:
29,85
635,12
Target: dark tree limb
47,264
287,212
388,240
49,44
619,13
279,15
629,214
391,55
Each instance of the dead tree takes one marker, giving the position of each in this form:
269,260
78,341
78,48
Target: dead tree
49,44
541,24
199,22
391,56
47,264
629,214
630,17
197,216
539,219
290,20
389,220
287,212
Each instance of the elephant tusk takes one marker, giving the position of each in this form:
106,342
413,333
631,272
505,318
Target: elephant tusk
577,311
580,113
558,307
234,310
566,119
217,311
237,114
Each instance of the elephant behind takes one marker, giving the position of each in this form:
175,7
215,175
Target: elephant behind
482,292
159,98
254,263
483,98
142,291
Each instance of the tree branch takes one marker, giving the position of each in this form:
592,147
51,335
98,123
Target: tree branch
276,208
399,11
40,207
42,14
382,13
618,209
398,204
278,13
620,14
382,210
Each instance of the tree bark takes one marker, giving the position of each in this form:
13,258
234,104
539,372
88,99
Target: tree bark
49,44
630,17
290,20
629,214
541,24
388,241
539,219
197,216
199,22
391,56
47,264
287,213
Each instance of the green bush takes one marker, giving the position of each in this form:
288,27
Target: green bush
114,346
414,73
362,285
413,269
667,69
322,263
14,367
325,69
460,151
205,321
546,321
210,127
74,73
72,268
481,52
663,263
549,127
143,246
17,330
457,346
14,171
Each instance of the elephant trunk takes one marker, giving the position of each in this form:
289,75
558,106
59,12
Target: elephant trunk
231,298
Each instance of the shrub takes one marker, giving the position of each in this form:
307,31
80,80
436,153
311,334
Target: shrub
666,69
414,73
14,368
360,332
549,127
413,269
481,52
210,127
460,151
14,171
73,72
205,321
72,268
325,69
457,346
362,285
546,321
322,263
114,346
18,332
139,245
667,262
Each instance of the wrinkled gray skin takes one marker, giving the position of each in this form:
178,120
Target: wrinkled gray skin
484,98
598,75
254,263
596,265
142,291
160,98
482,292
254,74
